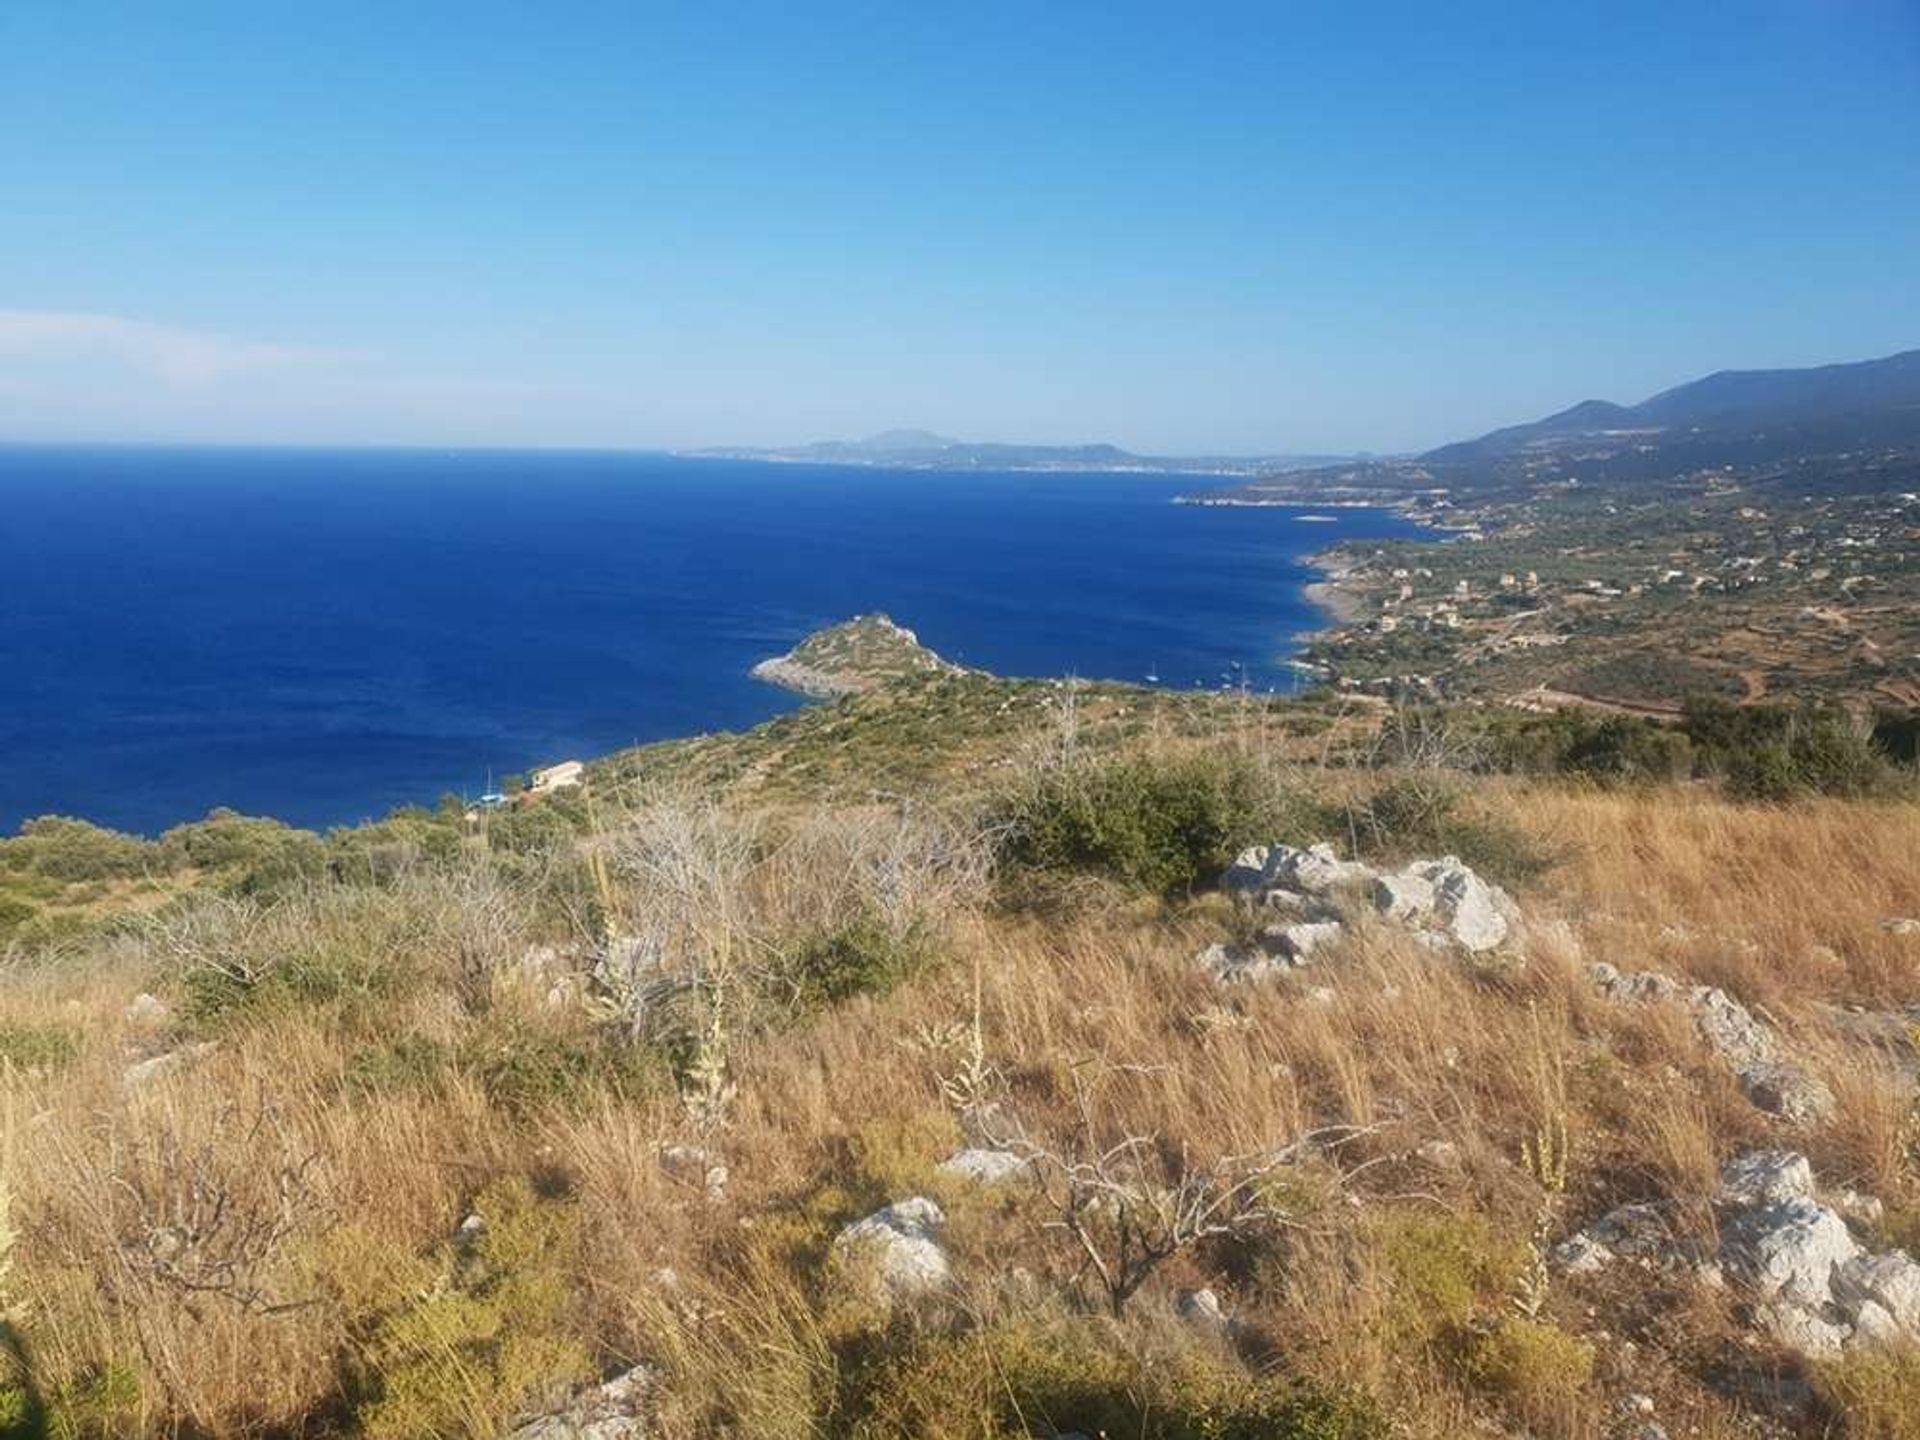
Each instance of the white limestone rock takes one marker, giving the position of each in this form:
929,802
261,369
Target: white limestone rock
615,1410
1880,1293
984,1166
1788,1252
1299,942
1477,915
1788,1090
900,1241
1766,1177
1404,897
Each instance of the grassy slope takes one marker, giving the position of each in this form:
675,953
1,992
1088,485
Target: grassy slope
261,1239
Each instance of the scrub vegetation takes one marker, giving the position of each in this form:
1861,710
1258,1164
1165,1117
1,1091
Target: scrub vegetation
425,1127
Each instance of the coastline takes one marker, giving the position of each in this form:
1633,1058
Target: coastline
1341,606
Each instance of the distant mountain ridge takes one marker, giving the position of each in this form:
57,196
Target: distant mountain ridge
925,450
1865,402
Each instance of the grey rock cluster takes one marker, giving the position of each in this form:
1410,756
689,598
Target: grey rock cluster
1772,1081
1811,1283
1443,901
615,1410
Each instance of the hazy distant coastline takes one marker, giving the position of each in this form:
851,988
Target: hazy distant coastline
925,450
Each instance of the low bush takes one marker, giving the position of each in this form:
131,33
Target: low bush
458,1343
1775,752
1440,1271
68,849
1536,1370
44,1048
866,957
1166,826
1018,1380
525,1069
1422,815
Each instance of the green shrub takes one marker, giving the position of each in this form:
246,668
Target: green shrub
37,1047
1535,1369
1776,752
524,1068
1440,1271
1021,1380
67,849
482,1329
1421,816
335,976
866,957
262,856
1164,825
15,913
410,1063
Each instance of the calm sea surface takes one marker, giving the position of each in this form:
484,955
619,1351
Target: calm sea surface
324,635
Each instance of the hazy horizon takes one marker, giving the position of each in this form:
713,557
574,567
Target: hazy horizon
1226,232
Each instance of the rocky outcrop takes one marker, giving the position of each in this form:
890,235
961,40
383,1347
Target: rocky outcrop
900,1243
615,1410
1773,1082
1447,895
851,657
1806,1277
1442,901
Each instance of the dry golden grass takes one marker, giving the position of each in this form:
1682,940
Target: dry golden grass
233,1236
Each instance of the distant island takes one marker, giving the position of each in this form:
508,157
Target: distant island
924,450
852,657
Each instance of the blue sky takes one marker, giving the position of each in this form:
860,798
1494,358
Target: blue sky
1180,228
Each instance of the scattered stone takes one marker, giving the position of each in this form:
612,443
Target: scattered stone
1201,1309
142,1071
1240,965
1777,1085
1637,1232
615,1410
1807,1331
985,1167
1440,1154
1901,925
1880,1294
1729,1029
1766,1177
147,1012
1788,1090
901,1240
1267,869
1632,987
1477,915
1299,942
1861,1208
695,1165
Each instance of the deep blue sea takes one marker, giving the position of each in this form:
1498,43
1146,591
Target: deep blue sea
324,635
